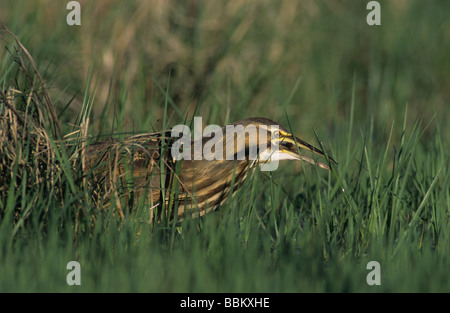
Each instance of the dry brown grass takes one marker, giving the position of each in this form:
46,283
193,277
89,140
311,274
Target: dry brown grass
39,161
27,149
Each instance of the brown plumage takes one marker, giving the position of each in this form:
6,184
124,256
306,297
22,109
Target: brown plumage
132,169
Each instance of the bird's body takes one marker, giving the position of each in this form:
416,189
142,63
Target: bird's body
192,186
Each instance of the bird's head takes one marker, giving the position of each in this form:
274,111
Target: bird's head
271,141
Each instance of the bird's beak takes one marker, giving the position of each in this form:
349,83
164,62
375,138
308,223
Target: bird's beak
288,150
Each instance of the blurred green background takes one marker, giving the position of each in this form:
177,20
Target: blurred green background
319,61
243,58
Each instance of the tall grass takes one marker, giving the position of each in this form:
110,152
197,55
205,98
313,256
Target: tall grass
361,93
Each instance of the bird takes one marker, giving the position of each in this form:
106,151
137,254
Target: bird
143,168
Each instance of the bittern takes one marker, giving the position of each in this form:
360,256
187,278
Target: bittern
133,168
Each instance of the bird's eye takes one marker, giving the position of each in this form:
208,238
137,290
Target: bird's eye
276,134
